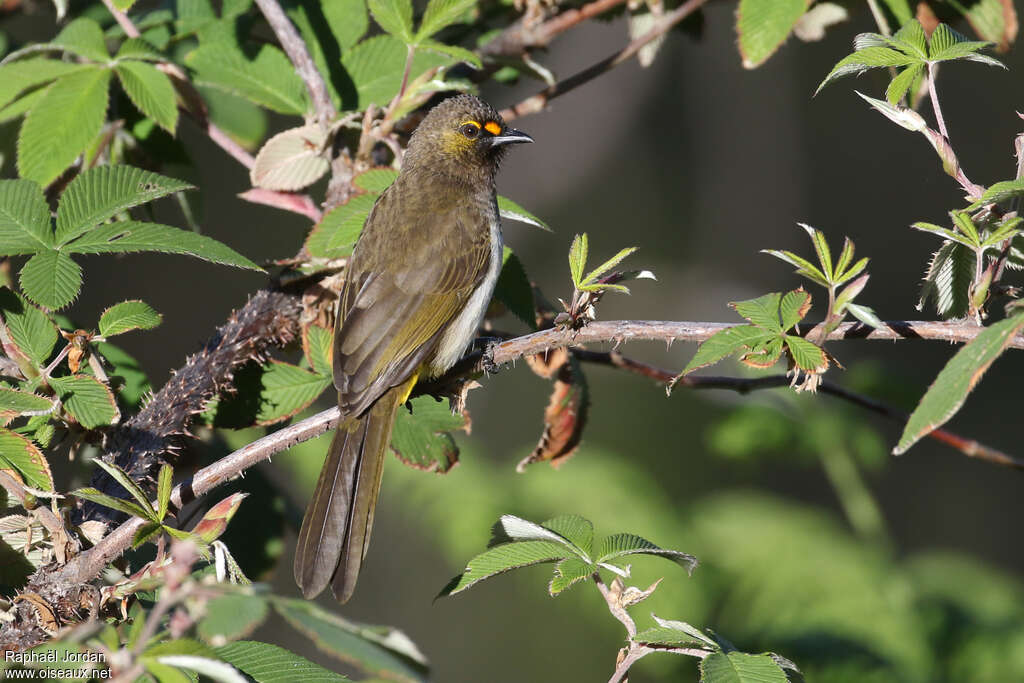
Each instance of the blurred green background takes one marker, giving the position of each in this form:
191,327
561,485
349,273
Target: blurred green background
813,542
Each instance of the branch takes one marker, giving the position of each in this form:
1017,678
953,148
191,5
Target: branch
524,35
536,103
297,52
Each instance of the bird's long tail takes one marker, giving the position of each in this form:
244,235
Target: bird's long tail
336,529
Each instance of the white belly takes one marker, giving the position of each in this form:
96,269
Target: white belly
462,330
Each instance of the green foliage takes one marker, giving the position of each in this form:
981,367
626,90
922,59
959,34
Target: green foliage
151,92
267,79
337,232
24,457
422,435
957,379
763,25
127,316
737,667
910,51
265,663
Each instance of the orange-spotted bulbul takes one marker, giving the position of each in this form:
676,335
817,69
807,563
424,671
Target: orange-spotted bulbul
416,288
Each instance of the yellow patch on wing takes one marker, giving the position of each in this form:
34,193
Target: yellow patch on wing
410,383
493,128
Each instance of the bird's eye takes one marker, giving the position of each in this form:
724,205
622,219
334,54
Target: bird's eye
470,130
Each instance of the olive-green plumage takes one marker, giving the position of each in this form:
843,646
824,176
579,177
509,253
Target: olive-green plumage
416,288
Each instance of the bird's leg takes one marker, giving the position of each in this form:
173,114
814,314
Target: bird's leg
487,345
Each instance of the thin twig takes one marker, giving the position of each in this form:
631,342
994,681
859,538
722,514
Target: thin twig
295,47
537,102
123,21
524,35
935,101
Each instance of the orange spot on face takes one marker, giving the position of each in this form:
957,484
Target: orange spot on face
492,128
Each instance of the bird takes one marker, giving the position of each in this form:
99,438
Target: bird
416,288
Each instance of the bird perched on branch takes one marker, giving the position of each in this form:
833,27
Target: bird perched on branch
416,289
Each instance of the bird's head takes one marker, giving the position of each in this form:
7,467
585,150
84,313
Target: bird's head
462,136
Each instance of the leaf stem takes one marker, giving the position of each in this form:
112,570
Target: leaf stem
934,95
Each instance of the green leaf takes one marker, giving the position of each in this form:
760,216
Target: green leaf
575,529
127,316
868,58
764,25
127,507
514,289
900,9
578,258
18,77
423,437
21,105
230,617
287,390
762,311
133,236
459,54
567,573
378,650
316,344
603,269
269,79
794,307
865,315
62,124
394,16
512,211
803,266
265,663
151,91
242,120
376,180
291,160
852,272
20,454
376,66
948,280
725,343
336,233
957,379
667,637
84,37
440,14
738,667
102,192
821,249
993,20
946,44
146,533
806,355
899,85
24,218
14,402
31,330
87,399
209,668
163,490
138,48
506,557
622,545
1000,192
911,38
944,233
51,279
966,226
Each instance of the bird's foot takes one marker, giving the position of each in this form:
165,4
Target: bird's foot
487,346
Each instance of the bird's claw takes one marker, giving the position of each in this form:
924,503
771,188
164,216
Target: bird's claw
487,345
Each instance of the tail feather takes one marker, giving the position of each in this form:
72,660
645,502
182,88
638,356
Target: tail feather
336,529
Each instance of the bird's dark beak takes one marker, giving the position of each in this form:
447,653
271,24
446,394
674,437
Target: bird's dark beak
510,137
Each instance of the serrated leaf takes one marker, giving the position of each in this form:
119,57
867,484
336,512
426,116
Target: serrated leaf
128,315
394,16
151,91
146,533
102,192
739,667
803,266
211,668
764,355
899,85
20,76
376,180
24,218
317,345
30,328
423,437
51,279
125,506
378,650
911,37
865,315
594,275
944,233
287,390
62,124
506,557
623,545
138,48
514,290
946,44
865,59
689,630
852,272
667,637
574,528
291,160
725,343
999,193
957,379
764,25
948,280
457,53
336,233
806,355
762,311
512,211
14,402
269,79
440,14
376,66
567,573
265,663
578,258
794,307
84,37
821,249
20,454
133,236
87,399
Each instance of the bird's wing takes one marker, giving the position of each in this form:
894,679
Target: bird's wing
417,263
